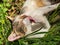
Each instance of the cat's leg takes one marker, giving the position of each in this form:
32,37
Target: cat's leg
49,8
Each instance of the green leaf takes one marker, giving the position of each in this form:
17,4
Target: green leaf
8,5
4,10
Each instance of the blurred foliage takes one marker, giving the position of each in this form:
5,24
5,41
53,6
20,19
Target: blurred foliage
13,7
4,27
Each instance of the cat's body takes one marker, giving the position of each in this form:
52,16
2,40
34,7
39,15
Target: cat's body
32,10
37,9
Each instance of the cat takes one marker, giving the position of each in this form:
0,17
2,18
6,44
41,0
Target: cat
32,18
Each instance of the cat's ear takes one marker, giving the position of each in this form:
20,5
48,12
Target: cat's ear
10,18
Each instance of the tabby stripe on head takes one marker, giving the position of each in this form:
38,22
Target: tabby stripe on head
23,16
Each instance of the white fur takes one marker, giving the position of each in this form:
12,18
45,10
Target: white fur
30,9
47,2
28,25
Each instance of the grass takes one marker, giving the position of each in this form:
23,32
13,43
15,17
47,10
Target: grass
51,38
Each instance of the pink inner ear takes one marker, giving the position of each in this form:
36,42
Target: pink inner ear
31,19
13,37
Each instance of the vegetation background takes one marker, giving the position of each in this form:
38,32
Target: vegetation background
12,8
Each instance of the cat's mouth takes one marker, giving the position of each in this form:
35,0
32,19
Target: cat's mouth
13,36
